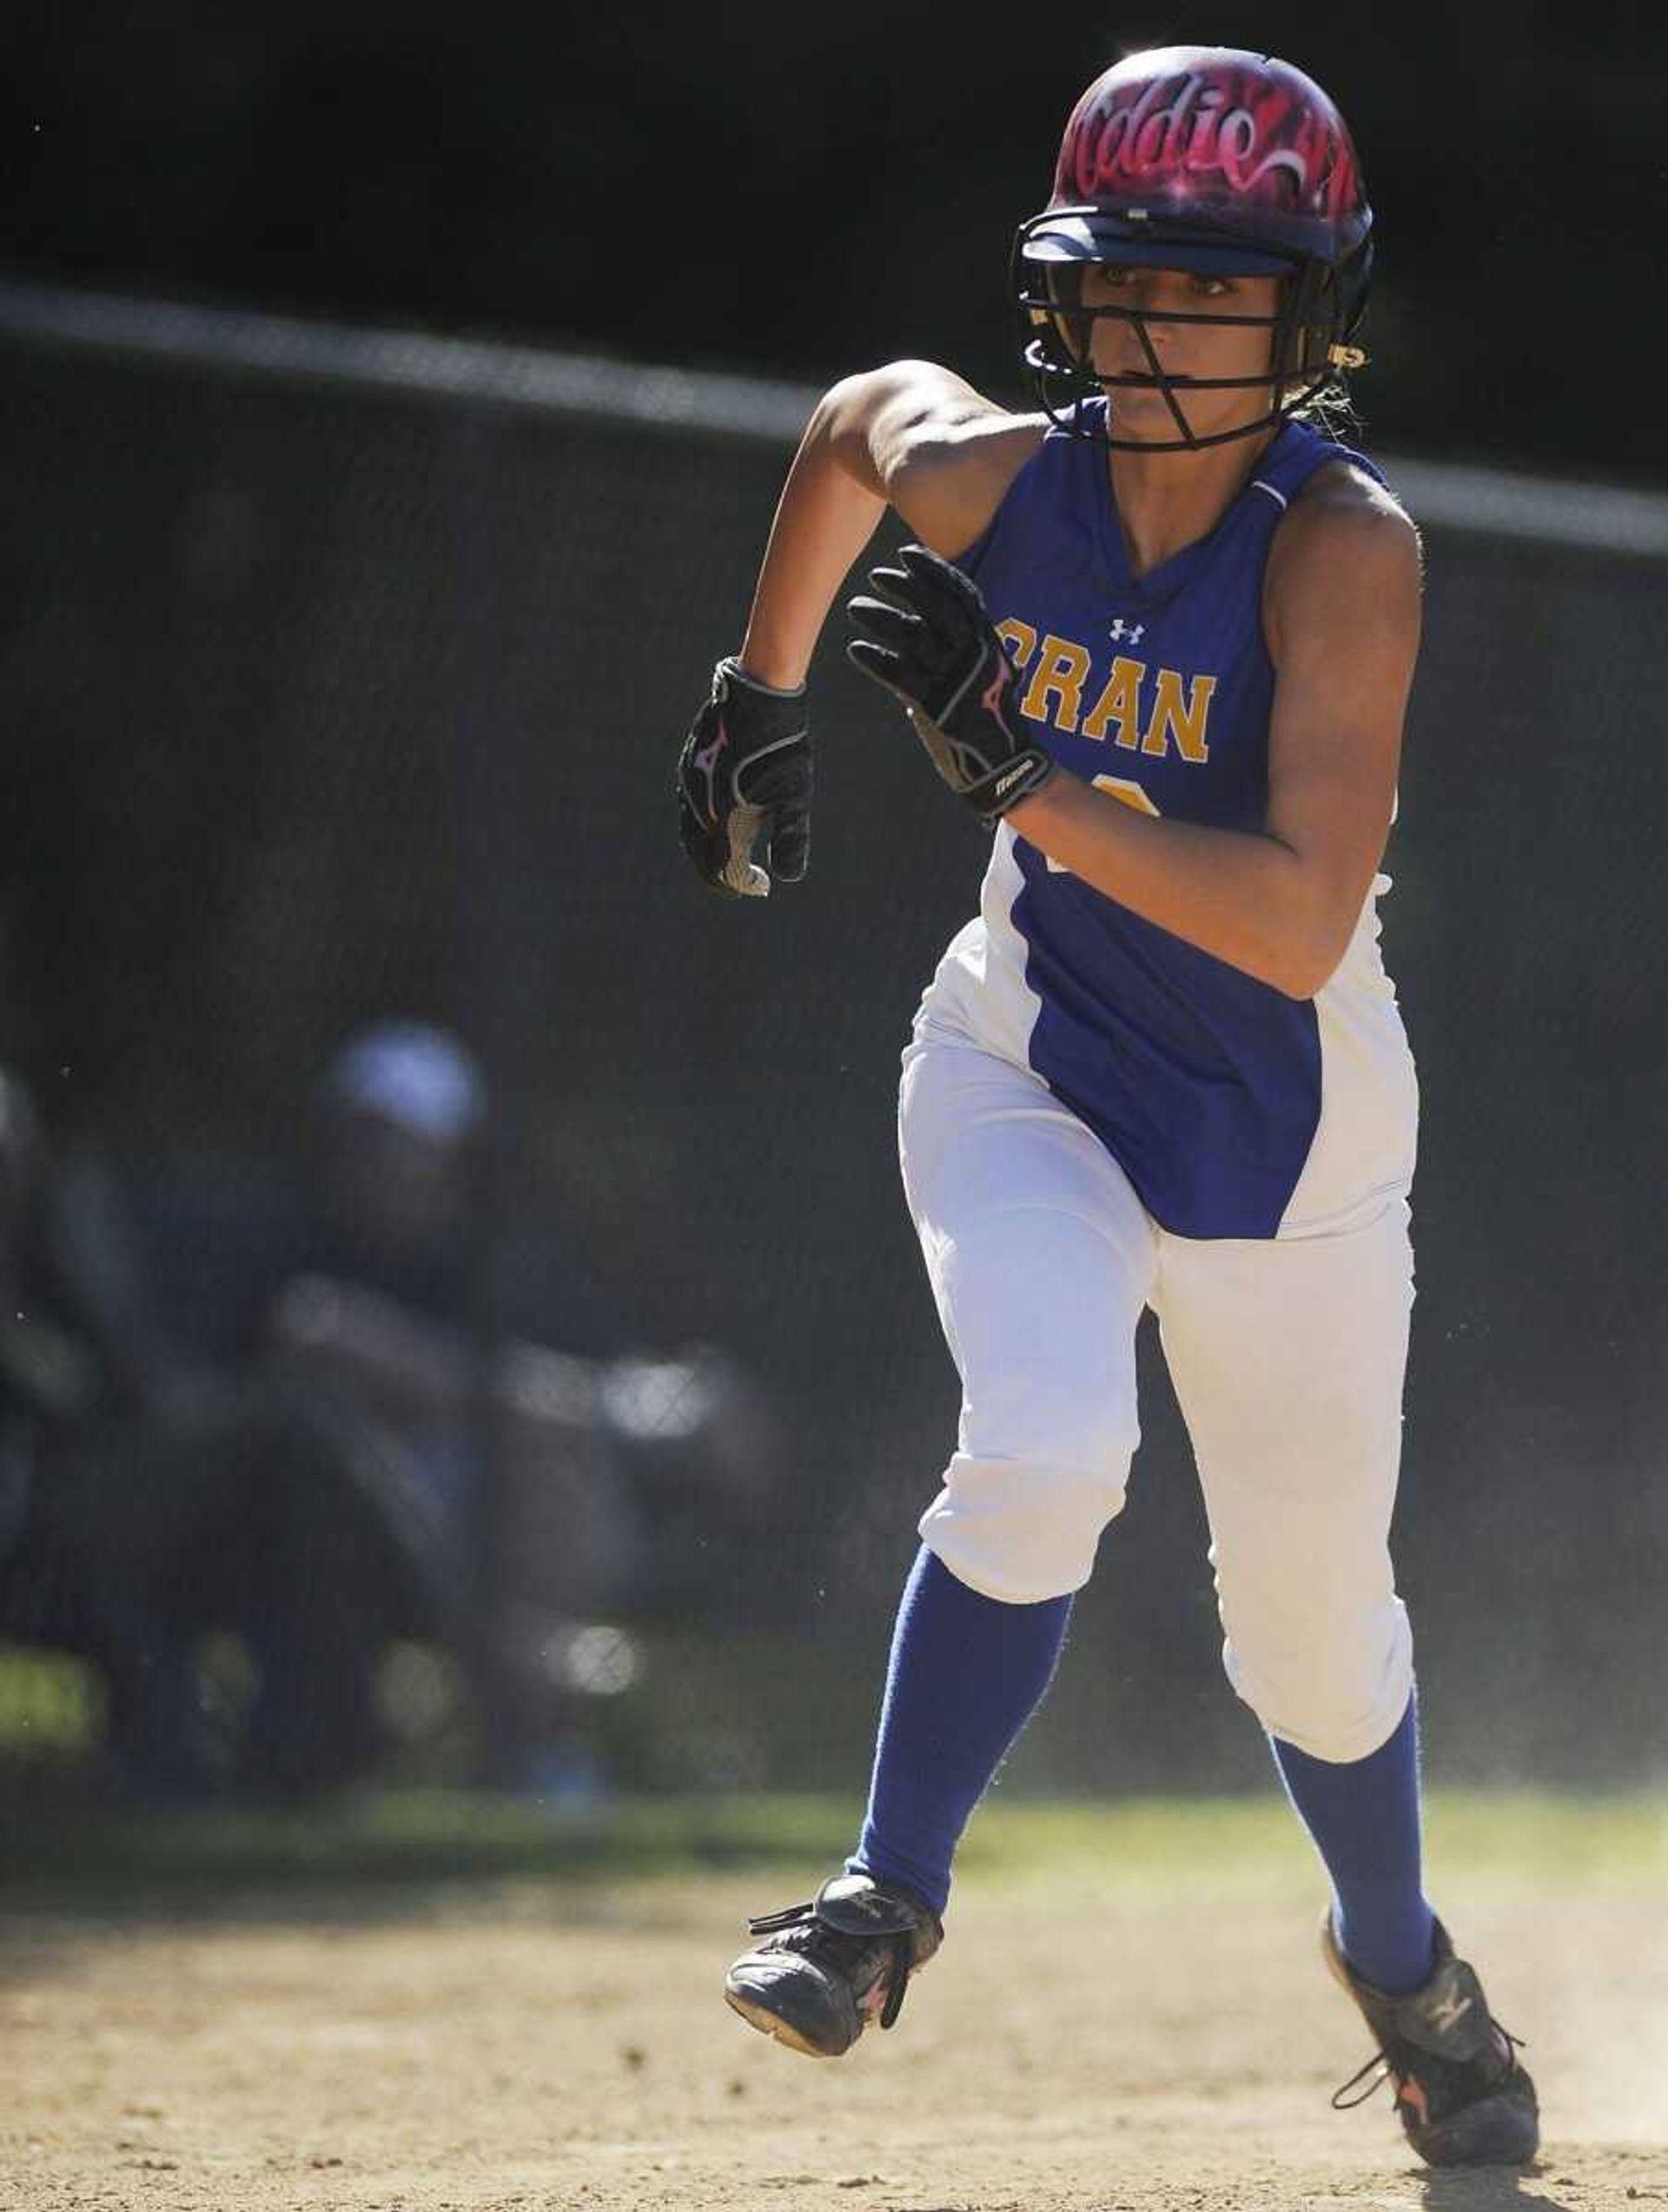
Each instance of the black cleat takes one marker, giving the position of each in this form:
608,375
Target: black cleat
826,1969
1462,2097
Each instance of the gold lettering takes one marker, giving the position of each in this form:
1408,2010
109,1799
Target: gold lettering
1019,638
1060,674
1185,722
1119,703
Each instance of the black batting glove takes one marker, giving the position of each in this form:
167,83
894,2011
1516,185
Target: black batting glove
744,786
935,648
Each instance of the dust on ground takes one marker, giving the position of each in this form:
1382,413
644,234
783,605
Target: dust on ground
542,2051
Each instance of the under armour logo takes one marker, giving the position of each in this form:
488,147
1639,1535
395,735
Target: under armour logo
1121,629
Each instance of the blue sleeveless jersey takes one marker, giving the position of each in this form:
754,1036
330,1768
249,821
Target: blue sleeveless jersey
1235,1110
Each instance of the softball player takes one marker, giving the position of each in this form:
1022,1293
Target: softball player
1159,636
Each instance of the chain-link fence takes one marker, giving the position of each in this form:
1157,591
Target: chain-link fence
344,674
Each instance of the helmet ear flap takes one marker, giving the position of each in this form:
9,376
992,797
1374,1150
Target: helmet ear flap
1354,281
1309,321
1323,312
1064,330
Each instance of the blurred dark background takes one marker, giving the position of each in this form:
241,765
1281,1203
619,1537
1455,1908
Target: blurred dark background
803,191
338,710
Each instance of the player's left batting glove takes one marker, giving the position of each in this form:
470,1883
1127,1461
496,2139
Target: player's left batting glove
743,782
936,649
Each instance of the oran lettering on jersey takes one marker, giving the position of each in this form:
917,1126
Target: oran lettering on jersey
1143,709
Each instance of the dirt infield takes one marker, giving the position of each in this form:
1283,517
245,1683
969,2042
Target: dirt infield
1126,2057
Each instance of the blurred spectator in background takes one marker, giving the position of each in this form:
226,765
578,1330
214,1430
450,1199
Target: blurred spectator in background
612,1475
315,1407
394,1294
152,1504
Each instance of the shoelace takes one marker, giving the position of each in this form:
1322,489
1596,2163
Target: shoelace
817,1935
1380,2070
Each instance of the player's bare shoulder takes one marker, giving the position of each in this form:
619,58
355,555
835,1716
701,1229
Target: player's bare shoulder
1346,554
942,454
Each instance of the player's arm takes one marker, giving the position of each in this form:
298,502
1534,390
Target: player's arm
913,436
1341,614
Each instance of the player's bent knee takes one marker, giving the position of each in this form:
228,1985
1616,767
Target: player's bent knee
1020,1531
1337,1704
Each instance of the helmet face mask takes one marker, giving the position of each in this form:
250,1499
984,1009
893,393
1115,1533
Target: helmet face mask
1208,160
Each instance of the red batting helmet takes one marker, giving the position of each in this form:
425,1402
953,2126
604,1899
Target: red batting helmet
1203,158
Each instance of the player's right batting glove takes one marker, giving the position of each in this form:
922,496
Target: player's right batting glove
936,651
744,785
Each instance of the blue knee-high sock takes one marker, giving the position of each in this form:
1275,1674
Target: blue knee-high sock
966,1674
1363,1816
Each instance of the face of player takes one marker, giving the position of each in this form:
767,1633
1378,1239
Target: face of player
390,1189
1184,350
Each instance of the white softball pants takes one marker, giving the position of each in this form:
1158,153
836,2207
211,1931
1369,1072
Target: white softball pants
1288,1359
